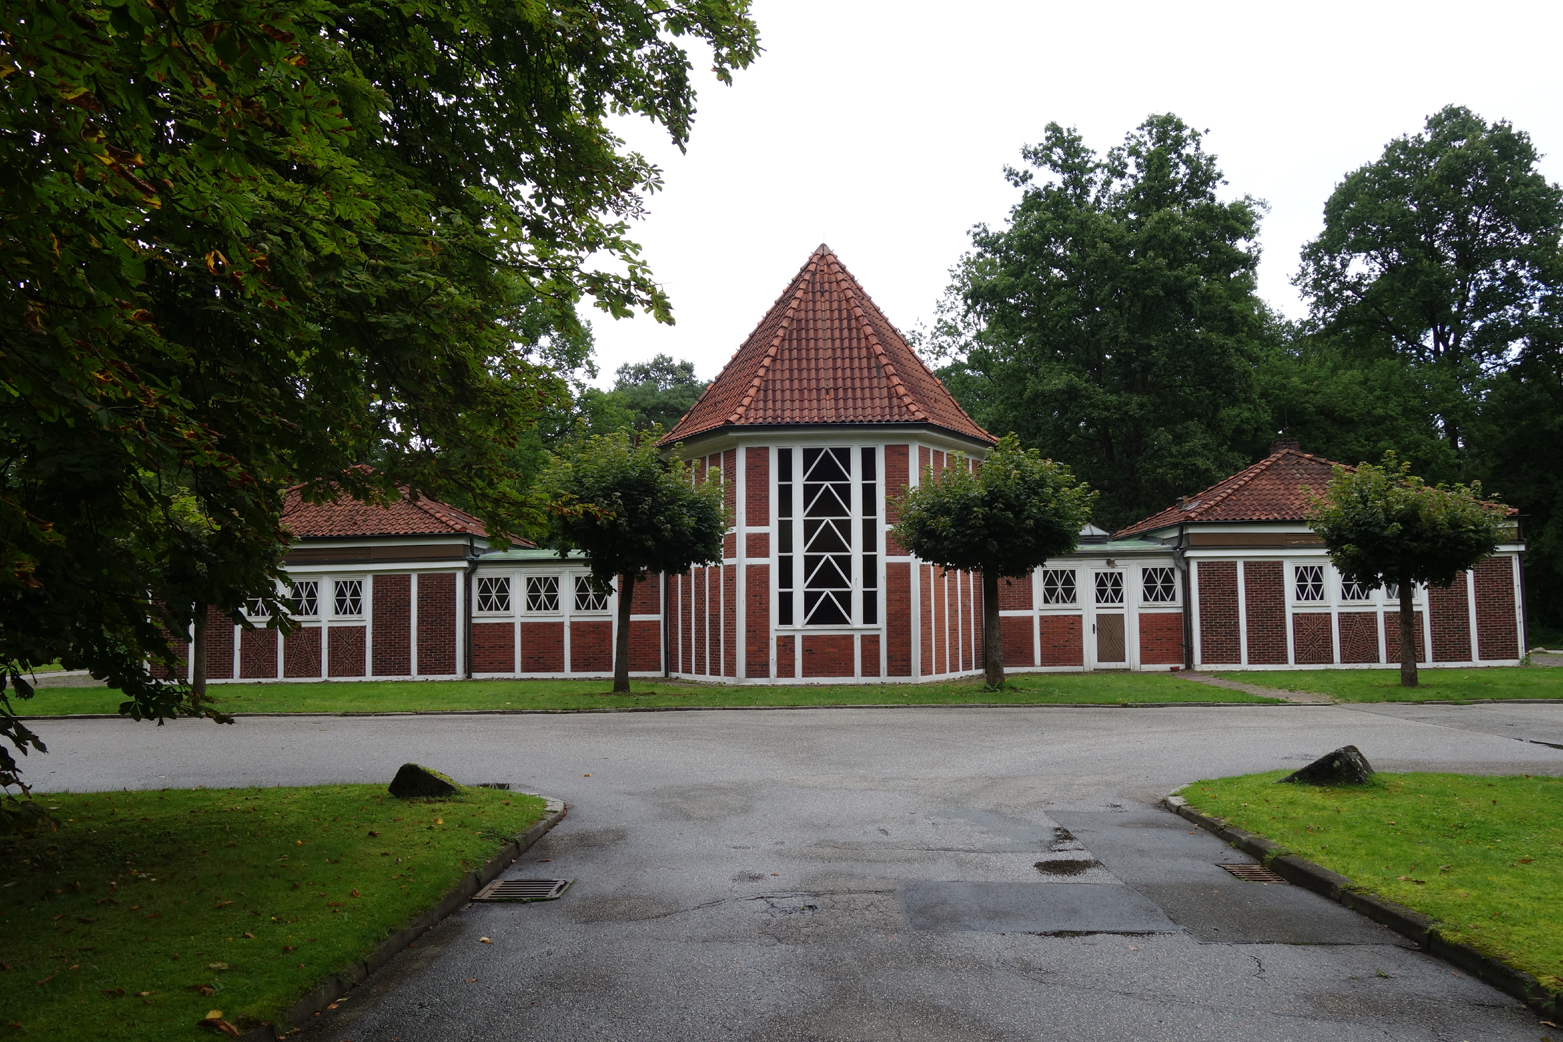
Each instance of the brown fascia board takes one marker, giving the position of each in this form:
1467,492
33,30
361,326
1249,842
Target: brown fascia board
910,427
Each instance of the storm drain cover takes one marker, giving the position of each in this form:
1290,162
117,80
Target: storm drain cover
1253,873
523,890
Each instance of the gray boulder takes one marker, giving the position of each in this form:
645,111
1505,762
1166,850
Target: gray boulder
416,782
1345,766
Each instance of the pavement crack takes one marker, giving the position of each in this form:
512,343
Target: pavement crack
1259,974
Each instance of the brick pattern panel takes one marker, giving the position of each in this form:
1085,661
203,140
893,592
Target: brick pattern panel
1219,637
786,656
729,467
758,546
219,645
1063,643
757,621
392,650
1497,635
1451,620
645,646
898,616
870,654
591,647
258,654
301,653
1313,638
345,655
1264,594
940,589
1161,638
976,627
827,655
493,647
729,618
1359,636
542,647
895,480
964,635
1392,637
647,598
437,624
1019,648
757,486
1015,594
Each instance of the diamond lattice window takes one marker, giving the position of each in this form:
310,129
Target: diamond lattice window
1109,587
1058,586
306,599
827,537
542,593
1310,582
1354,590
349,597
494,593
588,597
255,608
1159,586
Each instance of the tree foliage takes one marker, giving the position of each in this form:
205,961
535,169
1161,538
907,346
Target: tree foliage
658,392
1383,526
631,512
1112,323
1002,517
246,244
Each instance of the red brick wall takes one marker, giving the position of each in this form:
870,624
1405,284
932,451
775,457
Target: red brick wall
729,466
1313,638
181,649
1451,619
1264,595
1219,638
925,605
591,646
681,645
1359,636
1018,645
219,645
345,655
786,655
827,655
757,486
542,647
1161,638
898,614
729,617
895,480
870,654
1015,594
258,653
493,647
437,624
647,598
940,589
1497,634
758,545
646,646
392,650
700,577
757,621
1062,641
964,637
301,653
1392,637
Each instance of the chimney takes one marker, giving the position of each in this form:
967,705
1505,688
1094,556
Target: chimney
1282,444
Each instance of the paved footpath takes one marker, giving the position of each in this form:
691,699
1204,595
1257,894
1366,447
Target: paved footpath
908,874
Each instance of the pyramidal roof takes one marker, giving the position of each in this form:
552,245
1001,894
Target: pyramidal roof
825,354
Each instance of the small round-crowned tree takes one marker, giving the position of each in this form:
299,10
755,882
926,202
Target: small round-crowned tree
1002,517
630,511
1382,525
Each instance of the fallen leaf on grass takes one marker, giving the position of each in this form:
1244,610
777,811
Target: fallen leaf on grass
47,979
217,965
355,893
374,833
114,993
214,1014
154,915
249,935
222,904
106,901
218,1024
85,919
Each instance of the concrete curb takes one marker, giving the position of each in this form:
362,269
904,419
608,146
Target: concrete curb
302,1013
1407,922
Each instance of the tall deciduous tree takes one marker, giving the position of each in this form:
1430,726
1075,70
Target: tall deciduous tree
660,391
1002,517
631,512
1383,526
247,243
1112,322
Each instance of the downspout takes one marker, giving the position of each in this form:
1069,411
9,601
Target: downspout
472,557
1519,535
1180,560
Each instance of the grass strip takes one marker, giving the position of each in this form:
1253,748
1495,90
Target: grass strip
1434,685
148,910
382,696
1481,855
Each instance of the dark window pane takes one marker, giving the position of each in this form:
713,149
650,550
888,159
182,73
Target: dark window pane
784,573
868,466
783,500
870,535
784,537
870,607
870,571
784,609
825,465
870,499
783,464
821,608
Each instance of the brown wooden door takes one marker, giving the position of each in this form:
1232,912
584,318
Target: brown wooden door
1109,640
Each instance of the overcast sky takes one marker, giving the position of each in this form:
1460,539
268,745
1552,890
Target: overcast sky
882,129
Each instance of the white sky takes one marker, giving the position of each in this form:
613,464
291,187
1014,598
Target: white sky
882,128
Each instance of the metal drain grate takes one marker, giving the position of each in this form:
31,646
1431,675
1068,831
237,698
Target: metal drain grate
523,890
1253,873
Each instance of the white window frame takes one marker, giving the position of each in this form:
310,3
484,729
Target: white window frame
557,611
1172,574
1074,585
336,598
1295,586
508,587
580,580
292,595
1096,586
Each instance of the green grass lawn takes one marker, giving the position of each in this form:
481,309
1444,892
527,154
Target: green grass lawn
1434,685
1482,855
381,696
148,910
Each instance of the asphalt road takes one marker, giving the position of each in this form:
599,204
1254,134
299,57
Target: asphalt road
909,874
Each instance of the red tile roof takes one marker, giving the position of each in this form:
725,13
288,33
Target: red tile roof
1270,490
346,517
825,354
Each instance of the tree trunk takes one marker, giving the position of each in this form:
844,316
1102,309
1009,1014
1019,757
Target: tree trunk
621,642
992,639
1407,635
198,653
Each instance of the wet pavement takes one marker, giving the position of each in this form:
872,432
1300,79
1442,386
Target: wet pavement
912,874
